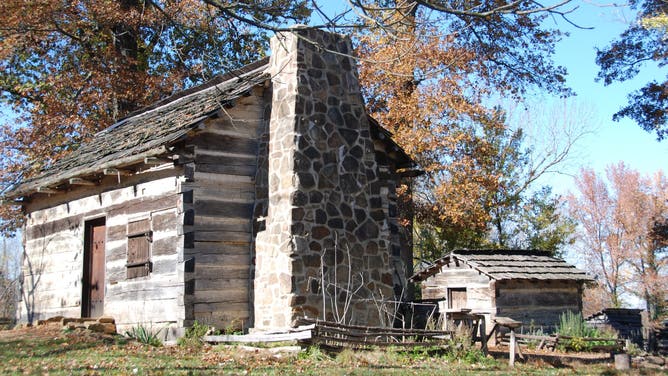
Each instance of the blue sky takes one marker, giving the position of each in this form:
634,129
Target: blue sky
613,141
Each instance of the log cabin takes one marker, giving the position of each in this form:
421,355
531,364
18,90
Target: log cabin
252,200
528,286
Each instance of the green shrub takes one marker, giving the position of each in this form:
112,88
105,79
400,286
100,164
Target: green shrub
145,335
573,325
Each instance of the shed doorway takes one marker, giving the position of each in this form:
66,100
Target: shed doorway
92,302
457,298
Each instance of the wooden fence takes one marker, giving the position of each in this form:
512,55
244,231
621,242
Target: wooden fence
337,335
553,342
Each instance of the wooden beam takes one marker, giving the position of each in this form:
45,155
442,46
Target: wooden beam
47,190
157,160
80,181
117,172
59,178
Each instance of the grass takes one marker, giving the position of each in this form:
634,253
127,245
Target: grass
78,352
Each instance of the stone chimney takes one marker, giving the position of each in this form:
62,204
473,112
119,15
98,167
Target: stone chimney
325,250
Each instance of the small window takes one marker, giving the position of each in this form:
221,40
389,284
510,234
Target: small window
139,248
457,298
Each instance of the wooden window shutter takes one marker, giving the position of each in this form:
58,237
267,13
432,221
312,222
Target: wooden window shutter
139,248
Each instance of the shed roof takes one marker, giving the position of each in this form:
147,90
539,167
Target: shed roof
509,264
147,131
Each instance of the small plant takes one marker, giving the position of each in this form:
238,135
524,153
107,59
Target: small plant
234,327
313,353
144,335
193,335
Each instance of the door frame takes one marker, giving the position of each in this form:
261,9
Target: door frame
86,290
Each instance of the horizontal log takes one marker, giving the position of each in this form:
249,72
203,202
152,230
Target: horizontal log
226,296
225,272
545,298
223,209
145,205
221,236
259,337
220,284
213,141
161,293
234,194
240,170
223,247
225,224
223,259
165,246
220,308
249,160
71,223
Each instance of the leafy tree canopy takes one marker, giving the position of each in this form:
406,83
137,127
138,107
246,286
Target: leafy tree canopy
72,68
644,41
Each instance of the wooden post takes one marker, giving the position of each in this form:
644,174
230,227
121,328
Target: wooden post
511,361
483,335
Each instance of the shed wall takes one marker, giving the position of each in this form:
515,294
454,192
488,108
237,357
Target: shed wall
537,303
54,243
221,223
479,288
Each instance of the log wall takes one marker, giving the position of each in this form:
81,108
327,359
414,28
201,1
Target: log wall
534,302
220,224
479,288
537,303
54,251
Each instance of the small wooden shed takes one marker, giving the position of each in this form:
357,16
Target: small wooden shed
529,286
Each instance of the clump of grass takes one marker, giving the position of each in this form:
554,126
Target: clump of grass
194,334
313,353
145,335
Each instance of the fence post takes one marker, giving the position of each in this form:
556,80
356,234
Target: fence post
511,361
483,335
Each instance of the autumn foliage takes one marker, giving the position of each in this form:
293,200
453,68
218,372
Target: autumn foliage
623,219
427,82
71,68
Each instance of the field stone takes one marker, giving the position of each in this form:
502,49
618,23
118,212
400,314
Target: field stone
106,320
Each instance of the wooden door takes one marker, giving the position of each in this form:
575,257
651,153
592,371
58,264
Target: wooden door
457,298
94,266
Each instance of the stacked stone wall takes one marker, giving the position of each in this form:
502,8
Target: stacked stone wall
325,251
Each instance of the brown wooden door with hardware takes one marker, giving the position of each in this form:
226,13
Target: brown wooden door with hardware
94,265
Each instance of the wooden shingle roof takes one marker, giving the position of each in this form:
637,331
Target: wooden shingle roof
509,264
148,131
